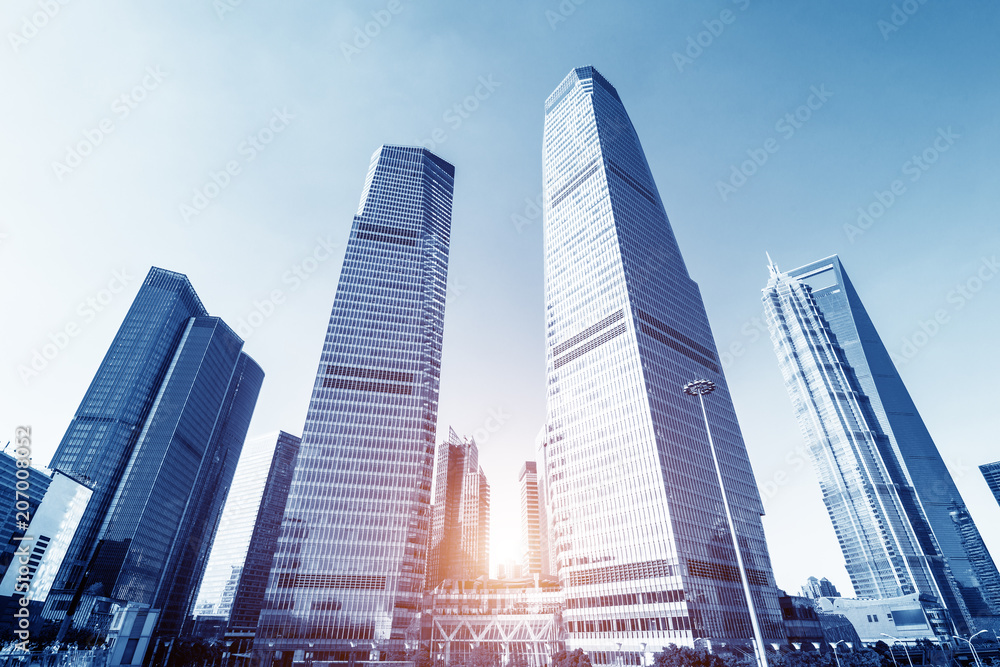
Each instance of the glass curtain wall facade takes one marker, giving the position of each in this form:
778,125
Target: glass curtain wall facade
251,583
349,567
154,543
991,472
638,525
889,493
195,391
99,441
454,550
236,526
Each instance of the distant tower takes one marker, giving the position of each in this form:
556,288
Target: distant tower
236,524
811,589
888,492
265,521
245,537
476,525
975,549
534,538
348,572
991,471
638,525
827,589
460,529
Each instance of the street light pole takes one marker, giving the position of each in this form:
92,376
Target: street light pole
905,650
973,648
835,655
700,388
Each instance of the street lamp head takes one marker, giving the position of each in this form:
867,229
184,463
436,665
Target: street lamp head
699,387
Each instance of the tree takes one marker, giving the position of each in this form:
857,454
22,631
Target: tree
421,656
484,656
685,656
517,660
575,659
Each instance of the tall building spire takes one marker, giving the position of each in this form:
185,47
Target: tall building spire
640,534
771,266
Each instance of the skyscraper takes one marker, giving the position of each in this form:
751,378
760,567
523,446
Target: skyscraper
991,471
100,439
349,567
819,588
459,541
251,581
639,528
238,523
534,533
476,524
890,496
189,391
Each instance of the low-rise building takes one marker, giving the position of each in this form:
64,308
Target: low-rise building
519,621
908,618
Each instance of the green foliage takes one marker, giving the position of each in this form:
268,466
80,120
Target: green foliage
484,656
421,657
517,660
685,656
575,659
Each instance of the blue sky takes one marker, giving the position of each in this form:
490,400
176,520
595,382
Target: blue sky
203,83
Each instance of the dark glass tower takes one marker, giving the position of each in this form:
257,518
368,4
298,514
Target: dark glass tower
266,522
152,541
639,528
103,433
901,521
349,567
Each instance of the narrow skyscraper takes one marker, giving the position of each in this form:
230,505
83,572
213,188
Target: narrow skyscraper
460,529
159,433
534,532
991,472
349,567
639,528
239,522
896,510
251,583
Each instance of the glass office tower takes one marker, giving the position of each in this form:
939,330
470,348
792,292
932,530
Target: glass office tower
895,507
251,583
638,524
191,391
349,567
236,526
100,439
